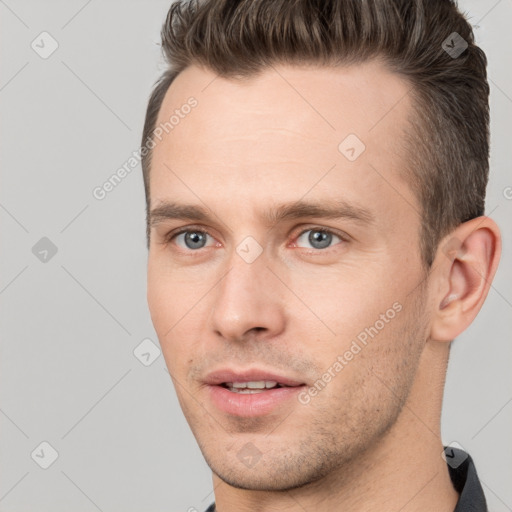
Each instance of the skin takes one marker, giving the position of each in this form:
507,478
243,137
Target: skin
370,439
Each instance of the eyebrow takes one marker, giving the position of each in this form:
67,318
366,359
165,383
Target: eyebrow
330,209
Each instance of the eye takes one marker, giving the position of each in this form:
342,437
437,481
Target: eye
191,239
319,238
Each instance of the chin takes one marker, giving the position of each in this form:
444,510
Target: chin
262,482
273,475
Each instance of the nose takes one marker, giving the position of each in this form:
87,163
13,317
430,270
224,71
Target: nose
248,301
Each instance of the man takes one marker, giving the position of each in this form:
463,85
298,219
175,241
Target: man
315,177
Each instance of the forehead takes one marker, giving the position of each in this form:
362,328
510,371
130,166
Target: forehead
280,132
321,102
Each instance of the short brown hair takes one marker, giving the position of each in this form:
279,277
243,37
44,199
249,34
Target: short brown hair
449,140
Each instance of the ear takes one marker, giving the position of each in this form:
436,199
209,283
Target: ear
465,264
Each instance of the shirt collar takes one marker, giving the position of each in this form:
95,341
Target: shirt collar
465,481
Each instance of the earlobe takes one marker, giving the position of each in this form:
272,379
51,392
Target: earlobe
465,264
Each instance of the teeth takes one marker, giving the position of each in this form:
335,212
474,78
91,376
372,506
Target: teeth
246,391
252,386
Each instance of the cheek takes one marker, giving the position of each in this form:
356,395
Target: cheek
162,294
177,314
170,292
347,302
159,298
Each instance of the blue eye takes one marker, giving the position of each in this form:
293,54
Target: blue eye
192,239
318,238
195,239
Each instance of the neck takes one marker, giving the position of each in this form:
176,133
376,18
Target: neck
403,470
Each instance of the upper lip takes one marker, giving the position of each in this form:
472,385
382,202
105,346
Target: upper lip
226,375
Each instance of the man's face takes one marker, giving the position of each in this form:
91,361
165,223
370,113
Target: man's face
242,296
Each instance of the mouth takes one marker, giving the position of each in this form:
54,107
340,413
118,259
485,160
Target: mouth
251,387
251,393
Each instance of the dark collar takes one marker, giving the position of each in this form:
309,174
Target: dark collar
464,479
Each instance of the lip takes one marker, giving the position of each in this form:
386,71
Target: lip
254,404
221,376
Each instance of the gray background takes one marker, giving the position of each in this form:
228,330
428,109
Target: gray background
70,324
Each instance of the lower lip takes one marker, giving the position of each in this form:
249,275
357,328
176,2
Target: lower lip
248,405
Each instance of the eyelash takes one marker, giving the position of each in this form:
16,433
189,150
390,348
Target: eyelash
171,236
